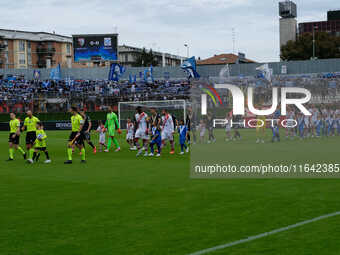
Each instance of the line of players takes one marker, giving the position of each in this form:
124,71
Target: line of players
153,131
145,132
323,122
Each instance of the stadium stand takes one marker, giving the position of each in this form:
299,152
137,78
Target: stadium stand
56,96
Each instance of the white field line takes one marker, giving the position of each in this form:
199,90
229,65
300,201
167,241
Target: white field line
252,238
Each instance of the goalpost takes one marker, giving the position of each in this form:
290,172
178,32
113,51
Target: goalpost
128,109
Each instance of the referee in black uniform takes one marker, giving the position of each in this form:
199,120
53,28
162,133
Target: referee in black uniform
85,131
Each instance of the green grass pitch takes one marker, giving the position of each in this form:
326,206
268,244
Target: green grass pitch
120,204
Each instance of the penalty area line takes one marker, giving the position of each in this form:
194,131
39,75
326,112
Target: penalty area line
252,238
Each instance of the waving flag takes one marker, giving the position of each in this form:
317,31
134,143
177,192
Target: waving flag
46,84
69,81
148,75
55,73
132,78
36,74
189,65
265,71
116,71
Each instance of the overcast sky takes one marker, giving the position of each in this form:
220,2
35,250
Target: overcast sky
206,25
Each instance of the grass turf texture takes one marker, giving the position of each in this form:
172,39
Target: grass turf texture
120,204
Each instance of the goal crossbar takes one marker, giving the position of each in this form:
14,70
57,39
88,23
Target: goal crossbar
160,104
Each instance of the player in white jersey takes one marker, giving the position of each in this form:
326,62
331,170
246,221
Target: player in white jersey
142,131
325,112
290,130
228,129
168,129
202,129
314,120
129,134
102,131
337,112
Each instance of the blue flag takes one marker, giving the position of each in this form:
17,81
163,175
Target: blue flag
116,71
265,72
148,74
55,73
69,81
329,75
36,74
46,84
11,78
189,65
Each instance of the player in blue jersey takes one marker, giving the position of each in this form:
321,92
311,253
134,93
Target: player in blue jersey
330,125
324,125
338,124
276,132
301,125
318,126
156,139
183,133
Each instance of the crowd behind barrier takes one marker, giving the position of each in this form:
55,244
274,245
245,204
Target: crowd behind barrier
19,95
93,95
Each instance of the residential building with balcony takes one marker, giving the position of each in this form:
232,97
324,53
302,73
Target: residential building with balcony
23,49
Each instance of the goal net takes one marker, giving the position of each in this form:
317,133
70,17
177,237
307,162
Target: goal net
127,110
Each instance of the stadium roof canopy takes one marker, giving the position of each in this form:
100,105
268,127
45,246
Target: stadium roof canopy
33,36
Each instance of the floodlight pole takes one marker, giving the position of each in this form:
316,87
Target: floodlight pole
187,46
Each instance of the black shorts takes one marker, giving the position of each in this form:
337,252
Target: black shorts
86,136
14,140
79,140
31,137
40,148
